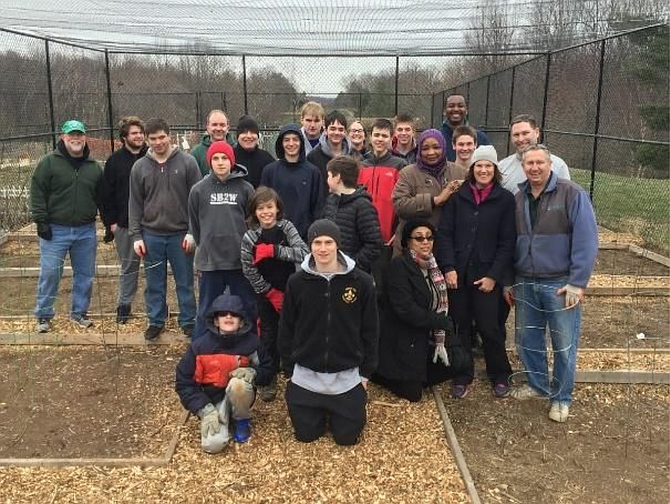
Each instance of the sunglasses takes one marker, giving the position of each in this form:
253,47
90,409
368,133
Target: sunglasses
226,314
422,239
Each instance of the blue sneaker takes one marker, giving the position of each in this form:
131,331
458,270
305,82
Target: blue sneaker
459,391
242,430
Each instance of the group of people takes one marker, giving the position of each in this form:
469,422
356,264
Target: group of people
354,255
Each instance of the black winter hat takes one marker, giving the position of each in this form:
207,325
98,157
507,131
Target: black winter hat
246,123
411,226
323,227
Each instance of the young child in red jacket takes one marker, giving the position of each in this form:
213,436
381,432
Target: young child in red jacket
218,374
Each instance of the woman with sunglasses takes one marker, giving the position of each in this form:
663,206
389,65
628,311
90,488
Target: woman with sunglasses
475,250
424,187
415,326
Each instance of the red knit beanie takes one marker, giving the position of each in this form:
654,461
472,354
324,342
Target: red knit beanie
218,147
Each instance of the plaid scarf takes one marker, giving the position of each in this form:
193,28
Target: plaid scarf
430,264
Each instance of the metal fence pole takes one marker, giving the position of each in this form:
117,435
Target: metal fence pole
597,124
52,117
511,108
397,78
110,112
360,105
197,110
432,110
486,109
546,93
244,84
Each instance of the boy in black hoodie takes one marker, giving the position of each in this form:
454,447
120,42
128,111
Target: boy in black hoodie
297,181
218,374
328,338
247,151
350,207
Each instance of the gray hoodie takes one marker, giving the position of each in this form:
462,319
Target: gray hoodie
159,193
217,211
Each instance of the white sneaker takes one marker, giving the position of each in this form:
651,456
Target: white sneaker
43,326
559,412
525,392
82,321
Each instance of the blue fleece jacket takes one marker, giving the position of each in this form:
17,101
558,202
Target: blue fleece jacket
564,240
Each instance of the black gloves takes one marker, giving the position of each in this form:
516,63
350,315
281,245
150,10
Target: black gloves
109,236
44,231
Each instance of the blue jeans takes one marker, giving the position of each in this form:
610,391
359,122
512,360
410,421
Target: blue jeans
80,243
160,250
212,284
537,306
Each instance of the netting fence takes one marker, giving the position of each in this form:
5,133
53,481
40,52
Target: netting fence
603,108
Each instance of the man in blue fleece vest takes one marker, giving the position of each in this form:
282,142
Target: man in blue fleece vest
556,249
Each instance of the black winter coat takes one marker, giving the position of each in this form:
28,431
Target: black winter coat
359,226
407,321
478,240
117,186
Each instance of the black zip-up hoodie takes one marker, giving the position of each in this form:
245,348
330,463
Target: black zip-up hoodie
117,186
329,325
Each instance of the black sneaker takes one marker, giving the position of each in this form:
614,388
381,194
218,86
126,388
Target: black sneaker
122,313
188,330
152,332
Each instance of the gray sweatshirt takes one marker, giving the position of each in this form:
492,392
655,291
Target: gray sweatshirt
159,193
217,211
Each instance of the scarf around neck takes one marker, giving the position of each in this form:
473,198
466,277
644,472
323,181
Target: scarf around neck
430,264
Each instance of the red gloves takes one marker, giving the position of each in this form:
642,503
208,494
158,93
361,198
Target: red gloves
263,251
276,298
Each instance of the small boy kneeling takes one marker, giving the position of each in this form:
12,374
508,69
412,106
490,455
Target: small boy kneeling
217,375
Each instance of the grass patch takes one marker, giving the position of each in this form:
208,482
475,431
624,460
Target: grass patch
631,205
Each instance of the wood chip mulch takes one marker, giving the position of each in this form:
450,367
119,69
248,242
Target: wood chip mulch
403,457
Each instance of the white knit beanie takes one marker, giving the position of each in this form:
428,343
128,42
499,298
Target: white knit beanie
485,153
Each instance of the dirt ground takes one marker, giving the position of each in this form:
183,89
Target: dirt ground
613,449
403,453
624,262
70,402
615,322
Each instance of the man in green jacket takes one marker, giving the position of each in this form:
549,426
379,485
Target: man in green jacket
65,192
217,129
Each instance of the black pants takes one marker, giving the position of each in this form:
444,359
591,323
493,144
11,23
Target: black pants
269,328
312,413
467,303
413,389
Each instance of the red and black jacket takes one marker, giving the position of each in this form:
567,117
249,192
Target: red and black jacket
203,372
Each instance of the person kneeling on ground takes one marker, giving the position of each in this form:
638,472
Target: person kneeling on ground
328,337
218,374
416,327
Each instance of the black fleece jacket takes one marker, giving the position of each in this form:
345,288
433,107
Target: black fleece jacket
329,325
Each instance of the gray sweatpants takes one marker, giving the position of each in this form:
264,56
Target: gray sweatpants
129,264
239,397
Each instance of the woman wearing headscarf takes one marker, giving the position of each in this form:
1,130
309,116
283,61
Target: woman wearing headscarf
475,249
416,329
424,187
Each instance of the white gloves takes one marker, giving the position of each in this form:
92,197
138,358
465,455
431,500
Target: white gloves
209,420
140,248
441,353
573,295
244,373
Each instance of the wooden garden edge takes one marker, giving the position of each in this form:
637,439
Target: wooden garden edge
455,448
103,462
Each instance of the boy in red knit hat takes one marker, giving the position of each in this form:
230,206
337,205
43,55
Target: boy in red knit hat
217,211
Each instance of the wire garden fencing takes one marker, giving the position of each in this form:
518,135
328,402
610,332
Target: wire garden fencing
603,107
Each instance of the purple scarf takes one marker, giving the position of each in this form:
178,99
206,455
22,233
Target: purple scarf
437,168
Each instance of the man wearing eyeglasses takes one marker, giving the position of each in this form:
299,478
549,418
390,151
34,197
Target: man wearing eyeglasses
556,249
